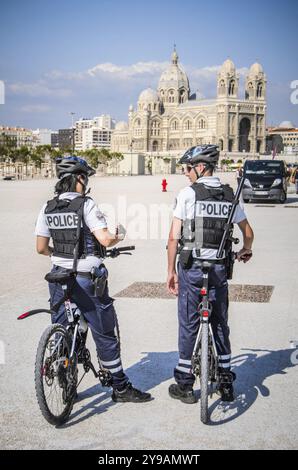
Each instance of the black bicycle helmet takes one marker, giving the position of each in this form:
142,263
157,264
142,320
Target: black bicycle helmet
205,154
72,165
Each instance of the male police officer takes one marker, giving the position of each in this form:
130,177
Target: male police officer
202,210
59,220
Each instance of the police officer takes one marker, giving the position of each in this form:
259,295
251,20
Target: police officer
58,219
202,210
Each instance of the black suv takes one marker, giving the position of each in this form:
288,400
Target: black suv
265,179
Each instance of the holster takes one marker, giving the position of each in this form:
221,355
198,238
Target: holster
99,279
185,259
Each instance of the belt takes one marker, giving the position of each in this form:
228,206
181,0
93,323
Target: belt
201,262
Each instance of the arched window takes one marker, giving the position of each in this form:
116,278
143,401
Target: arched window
174,125
222,87
232,87
187,125
259,90
171,96
155,128
202,123
155,146
250,90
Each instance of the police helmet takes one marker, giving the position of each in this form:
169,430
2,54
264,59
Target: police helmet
205,154
72,165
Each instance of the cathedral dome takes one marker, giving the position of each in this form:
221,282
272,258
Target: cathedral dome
286,125
174,76
121,126
148,95
255,69
228,67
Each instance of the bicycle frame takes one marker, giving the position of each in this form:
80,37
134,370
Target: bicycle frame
205,356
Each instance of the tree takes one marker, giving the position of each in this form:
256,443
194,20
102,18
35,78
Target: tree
8,146
92,157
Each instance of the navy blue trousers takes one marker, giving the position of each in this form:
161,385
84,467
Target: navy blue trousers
101,318
190,282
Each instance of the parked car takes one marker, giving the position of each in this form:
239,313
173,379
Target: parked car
265,179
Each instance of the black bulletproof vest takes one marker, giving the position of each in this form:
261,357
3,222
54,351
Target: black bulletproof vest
62,218
212,207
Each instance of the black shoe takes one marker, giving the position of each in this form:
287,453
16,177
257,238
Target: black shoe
183,393
225,388
130,394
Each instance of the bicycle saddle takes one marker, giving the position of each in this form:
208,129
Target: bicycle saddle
60,278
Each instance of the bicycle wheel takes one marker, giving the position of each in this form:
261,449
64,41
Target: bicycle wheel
55,377
204,373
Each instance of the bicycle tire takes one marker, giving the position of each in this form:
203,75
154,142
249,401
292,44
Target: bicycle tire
204,376
39,374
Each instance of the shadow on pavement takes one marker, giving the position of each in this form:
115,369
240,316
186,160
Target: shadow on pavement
252,369
153,369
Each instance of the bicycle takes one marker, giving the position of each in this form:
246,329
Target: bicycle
205,357
61,349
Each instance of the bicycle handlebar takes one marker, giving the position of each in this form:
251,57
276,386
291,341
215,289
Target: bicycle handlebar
114,252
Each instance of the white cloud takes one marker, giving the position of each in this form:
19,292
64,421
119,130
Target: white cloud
128,71
36,108
40,88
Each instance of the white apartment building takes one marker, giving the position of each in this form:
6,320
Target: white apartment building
94,133
41,137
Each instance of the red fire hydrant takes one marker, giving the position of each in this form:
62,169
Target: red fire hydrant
164,185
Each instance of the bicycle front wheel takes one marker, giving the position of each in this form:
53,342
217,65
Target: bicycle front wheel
55,376
204,373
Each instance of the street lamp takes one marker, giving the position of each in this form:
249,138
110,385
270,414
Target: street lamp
72,129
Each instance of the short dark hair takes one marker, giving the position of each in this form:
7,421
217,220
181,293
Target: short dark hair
66,185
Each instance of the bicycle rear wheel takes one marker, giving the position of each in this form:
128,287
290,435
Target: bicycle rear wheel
204,373
55,377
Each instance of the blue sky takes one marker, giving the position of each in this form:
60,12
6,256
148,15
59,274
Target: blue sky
96,56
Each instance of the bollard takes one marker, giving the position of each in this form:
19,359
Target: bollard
164,185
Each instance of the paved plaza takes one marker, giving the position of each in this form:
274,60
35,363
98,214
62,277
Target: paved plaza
265,412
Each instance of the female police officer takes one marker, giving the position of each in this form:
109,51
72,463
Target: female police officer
58,219
205,205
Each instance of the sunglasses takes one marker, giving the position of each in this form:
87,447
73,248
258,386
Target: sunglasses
188,168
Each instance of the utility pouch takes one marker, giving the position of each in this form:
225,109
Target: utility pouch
99,278
185,258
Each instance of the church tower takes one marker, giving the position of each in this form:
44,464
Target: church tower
173,87
255,86
227,81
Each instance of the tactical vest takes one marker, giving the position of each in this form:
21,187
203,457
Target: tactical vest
212,207
62,217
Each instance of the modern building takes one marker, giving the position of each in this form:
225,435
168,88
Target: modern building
171,119
94,133
55,139
65,138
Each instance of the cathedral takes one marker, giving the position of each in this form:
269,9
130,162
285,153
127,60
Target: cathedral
171,119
